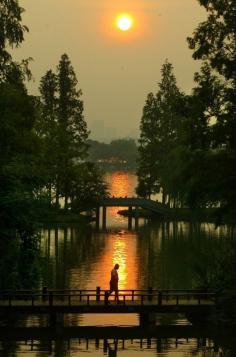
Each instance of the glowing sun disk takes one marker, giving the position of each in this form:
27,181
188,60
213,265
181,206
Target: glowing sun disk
124,22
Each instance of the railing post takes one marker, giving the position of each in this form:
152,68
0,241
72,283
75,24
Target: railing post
132,295
50,298
177,300
159,298
44,293
106,297
150,290
98,292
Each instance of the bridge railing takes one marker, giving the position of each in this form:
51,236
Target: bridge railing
102,297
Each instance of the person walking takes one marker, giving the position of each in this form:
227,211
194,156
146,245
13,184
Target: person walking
114,282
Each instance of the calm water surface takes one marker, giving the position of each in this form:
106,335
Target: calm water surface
161,255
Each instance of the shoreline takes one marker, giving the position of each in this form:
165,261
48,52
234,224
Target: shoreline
211,215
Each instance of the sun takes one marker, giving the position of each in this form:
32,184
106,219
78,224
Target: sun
124,22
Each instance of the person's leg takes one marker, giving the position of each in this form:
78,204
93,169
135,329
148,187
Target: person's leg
110,292
116,294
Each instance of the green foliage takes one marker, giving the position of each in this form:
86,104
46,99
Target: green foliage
21,182
70,112
42,145
214,42
188,143
124,150
64,133
21,174
214,39
148,162
160,128
11,35
88,187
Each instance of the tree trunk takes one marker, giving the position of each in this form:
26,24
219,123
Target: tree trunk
66,202
163,196
57,195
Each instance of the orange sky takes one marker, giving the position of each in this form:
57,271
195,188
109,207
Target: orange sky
115,70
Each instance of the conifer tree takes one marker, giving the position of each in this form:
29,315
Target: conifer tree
65,135
159,134
48,128
72,127
147,161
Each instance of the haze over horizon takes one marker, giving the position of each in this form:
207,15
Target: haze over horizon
115,70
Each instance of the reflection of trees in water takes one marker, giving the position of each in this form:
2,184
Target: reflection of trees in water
116,347
19,269
9,349
67,249
170,251
19,264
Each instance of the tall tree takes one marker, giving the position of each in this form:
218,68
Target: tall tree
148,162
168,98
48,128
160,126
21,182
73,131
11,35
214,42
64,132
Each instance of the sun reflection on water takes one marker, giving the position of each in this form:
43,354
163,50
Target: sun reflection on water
121,184
120,256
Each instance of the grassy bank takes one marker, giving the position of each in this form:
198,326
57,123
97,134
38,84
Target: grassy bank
64,217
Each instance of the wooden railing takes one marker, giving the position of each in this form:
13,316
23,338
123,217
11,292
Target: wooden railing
47,297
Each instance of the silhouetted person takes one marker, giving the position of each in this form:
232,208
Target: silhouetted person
114,281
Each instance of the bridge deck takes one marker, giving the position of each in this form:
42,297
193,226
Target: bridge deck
96,301
135,202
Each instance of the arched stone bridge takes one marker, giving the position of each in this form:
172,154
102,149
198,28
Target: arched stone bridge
130,202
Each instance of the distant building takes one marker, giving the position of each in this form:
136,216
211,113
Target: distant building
102,133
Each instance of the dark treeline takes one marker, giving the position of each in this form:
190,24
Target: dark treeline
187,146
118,154
43,151
65,138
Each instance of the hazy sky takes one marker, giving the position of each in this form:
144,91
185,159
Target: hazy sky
115,69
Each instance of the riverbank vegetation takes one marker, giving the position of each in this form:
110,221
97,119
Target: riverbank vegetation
120,154
187,146
43,147
187,143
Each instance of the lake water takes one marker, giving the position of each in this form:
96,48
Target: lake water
162,255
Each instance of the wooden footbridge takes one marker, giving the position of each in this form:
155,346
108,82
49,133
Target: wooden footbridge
132,203
142,302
